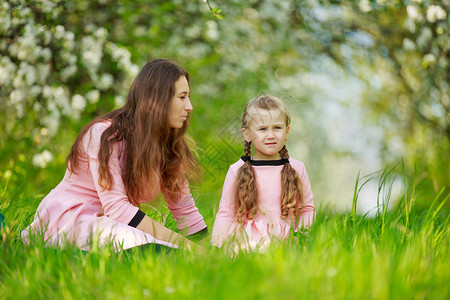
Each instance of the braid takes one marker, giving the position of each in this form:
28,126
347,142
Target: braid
247,148
246,194
291,188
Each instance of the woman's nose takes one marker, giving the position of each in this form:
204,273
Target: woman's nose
188,105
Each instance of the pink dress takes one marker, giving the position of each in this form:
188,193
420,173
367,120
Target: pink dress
79,211
268,224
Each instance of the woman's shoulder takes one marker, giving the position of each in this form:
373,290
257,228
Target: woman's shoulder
91,139
99,127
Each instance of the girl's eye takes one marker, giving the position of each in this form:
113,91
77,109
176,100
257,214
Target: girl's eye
262,129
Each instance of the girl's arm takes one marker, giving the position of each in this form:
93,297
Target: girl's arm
308,212
225,216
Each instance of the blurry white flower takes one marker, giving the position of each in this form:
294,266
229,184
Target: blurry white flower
434,13
46,54
43,70
5,19
34,91
424,37
42,159
408,45
67,72
59,32
43,131
211,30
410,25
193,31
105,82
7,70
78,102
364,6
17,96
51,122
93,96
413,13
101,33
119,100
428,59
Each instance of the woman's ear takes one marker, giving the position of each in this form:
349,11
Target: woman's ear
246,134
287,132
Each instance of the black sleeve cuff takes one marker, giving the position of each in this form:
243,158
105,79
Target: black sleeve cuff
137,219
199,235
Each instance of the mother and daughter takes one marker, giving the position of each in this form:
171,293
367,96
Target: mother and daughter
130,155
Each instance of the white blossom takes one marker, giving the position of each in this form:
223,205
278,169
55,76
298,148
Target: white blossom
435,13
51,122
105,82
7,69
119,100
211,30
59,32
5,19
413,12
78,102
42,159
68,72
93,96
428,59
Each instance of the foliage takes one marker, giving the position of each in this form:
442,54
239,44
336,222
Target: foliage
54,66
63,63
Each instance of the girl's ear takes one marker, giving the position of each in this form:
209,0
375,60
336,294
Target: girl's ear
246,134
287,132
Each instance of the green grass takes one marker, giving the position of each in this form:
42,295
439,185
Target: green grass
400,254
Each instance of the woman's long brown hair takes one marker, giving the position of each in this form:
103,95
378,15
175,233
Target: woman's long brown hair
246,191
153,150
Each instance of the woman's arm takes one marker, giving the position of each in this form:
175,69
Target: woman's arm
185,212
162,233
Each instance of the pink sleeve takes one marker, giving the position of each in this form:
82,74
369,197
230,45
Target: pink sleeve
115,201
308,212
185,213
225,216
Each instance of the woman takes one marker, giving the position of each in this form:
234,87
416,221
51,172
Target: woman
122,159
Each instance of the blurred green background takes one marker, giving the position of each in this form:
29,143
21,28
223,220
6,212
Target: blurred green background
366,83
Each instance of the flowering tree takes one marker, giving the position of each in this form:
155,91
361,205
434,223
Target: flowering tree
54,65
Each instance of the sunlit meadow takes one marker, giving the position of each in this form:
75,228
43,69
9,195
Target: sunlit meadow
398,254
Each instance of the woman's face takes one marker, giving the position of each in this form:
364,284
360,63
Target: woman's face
180,106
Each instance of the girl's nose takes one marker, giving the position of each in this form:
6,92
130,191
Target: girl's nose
188,105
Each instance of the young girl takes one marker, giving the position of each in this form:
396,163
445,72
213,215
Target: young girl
267,193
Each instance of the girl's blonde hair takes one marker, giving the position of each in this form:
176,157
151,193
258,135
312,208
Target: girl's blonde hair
246,192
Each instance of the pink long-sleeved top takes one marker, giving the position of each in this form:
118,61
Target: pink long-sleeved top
256,234
79,211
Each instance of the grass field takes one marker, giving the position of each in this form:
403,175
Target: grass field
400,254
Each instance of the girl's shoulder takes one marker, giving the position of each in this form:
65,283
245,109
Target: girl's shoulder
234,167
298,165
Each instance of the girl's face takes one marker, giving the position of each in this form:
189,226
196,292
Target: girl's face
180,106
267,131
